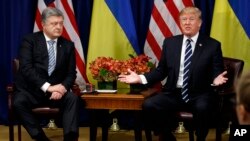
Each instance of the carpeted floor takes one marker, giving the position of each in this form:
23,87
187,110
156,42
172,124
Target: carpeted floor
122,135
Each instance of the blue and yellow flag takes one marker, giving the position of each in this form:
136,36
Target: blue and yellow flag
231,26
112,32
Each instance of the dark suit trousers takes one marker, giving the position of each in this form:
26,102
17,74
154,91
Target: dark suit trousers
160,111
68,105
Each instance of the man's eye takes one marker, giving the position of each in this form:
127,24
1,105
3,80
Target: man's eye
53,24
56,23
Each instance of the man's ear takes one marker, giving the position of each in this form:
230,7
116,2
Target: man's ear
240,113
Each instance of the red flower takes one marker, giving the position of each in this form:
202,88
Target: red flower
108,69
140,64
104,69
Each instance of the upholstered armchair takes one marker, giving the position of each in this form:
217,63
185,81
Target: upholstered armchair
234,69
45,112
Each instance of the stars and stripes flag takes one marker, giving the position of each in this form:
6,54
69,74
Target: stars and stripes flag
70,31
163,23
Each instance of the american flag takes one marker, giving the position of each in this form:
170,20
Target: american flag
164,23
70,31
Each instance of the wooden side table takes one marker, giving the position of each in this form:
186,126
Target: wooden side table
121,100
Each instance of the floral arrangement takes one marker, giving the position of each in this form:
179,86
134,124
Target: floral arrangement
104,68
139,64
107,69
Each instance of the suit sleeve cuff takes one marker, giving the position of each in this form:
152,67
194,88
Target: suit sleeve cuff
45,87
143,79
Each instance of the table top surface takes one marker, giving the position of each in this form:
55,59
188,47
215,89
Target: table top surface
121,93
123,99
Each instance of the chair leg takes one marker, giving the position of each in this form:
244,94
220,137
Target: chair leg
191,135
218,129
138,134
11,132
148,135
19,132
218,134
92,133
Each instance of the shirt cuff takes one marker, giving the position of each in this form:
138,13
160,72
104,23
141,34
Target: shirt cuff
45,87
143,79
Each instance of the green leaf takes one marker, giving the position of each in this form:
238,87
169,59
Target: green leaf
131,55
150,64
103,72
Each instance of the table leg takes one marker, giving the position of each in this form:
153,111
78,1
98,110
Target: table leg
148,134
99,118
138,126
92,133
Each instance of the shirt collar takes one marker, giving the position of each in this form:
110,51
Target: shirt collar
48,39
194,38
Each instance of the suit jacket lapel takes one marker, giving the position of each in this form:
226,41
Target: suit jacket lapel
178,55
43,46
197,52
59,48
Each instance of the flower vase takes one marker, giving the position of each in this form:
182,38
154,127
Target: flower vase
103,85
137,88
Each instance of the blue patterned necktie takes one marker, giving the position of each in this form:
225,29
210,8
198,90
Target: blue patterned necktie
187,63
52,58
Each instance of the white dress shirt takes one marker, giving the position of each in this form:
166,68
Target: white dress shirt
46,85
183,48
184,44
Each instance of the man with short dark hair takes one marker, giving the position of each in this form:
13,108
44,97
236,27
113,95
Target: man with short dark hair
47,72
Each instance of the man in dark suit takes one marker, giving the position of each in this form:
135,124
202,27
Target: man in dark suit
47,72
190,75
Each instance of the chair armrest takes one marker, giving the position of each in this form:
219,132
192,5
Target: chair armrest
10,90
45,110
185,115
76,90
149,92
222,90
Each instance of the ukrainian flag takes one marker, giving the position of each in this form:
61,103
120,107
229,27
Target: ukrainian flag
231,26
112,32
